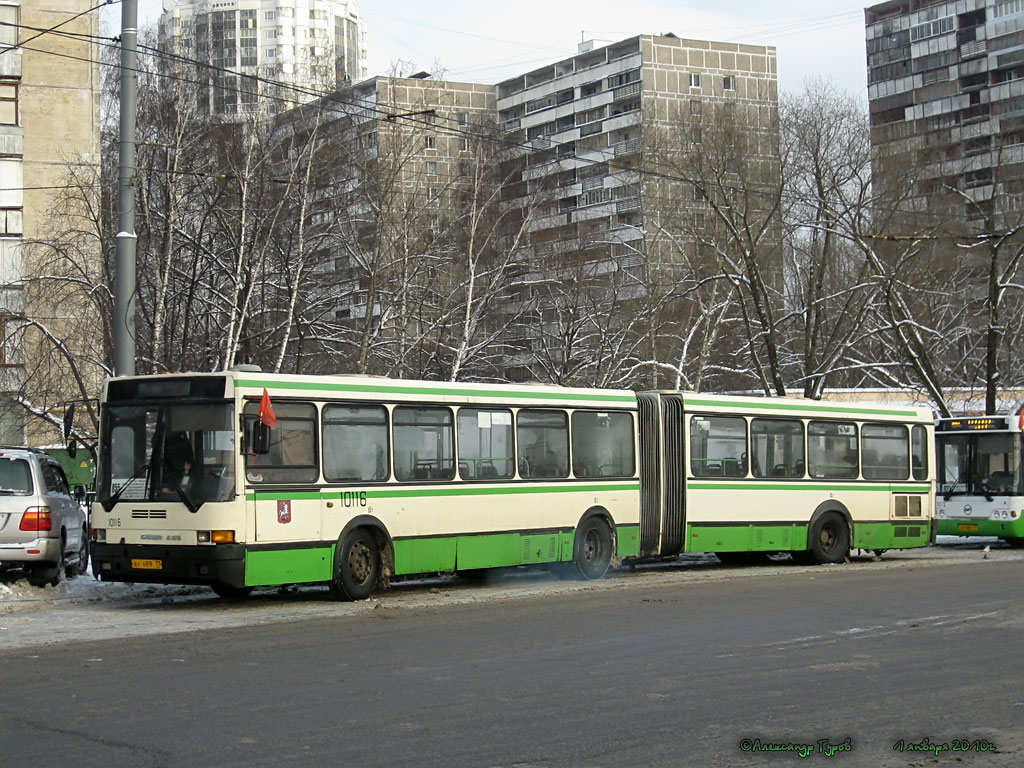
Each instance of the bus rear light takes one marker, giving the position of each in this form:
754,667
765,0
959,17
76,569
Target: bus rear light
223,537
36,519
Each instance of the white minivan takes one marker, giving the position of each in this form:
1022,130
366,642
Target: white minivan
43,528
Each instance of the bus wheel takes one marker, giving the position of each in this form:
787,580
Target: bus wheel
830,539
356,566
1015,541
227,592
593,548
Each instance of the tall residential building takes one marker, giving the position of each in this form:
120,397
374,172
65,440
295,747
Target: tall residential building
52,75
308,47
608,140
946,92
399,165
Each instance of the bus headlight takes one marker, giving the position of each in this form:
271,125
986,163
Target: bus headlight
217,537
99,535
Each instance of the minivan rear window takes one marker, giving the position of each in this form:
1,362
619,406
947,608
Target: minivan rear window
15,477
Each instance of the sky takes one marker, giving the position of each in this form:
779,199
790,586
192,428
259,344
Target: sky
483,42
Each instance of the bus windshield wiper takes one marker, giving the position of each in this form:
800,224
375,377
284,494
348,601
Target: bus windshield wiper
108,504
181,488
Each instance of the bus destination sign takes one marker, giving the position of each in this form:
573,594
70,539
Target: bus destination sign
974,424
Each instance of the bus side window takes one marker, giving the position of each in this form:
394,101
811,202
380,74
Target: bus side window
919,452
602,444
832,449
543,440
718,446
424,443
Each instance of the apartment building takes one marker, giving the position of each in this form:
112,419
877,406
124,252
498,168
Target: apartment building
305,46
946,93
600,142
398,158
41,76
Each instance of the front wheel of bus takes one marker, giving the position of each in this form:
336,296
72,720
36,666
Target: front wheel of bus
356,566
830,539
593,549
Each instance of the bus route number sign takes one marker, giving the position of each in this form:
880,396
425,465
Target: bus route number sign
973,424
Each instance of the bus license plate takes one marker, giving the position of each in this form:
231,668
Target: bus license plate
147,565
967,527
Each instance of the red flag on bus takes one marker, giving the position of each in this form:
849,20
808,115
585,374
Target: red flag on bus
266,411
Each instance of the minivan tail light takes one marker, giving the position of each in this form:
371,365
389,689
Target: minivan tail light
37,519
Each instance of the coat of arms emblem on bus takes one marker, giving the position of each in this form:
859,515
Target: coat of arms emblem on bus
284,511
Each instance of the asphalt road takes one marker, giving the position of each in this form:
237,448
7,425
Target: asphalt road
664,671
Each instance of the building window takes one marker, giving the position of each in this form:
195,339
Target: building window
270,34
429,142
271,53
269,15
8,102
695,79
431,193
695,107
9,24
464,144
462,118
432,168
729,83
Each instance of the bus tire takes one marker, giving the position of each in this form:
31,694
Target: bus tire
593,549
356,566
829,539
1015,541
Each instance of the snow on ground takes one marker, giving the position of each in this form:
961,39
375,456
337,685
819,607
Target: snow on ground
86,609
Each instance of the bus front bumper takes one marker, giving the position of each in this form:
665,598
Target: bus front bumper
148,564
967,526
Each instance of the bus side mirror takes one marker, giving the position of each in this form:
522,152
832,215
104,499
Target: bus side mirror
79,493
69,420
260,438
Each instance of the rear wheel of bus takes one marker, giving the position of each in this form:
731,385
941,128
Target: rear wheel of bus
356,566
593,548
829,540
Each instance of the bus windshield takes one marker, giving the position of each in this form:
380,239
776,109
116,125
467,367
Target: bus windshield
980,464
168,453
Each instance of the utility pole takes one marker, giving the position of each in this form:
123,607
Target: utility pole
124,266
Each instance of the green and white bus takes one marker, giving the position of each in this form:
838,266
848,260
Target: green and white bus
360,479
981,485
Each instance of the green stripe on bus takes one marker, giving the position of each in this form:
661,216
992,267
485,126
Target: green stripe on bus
404,493
746,537
780,404
396,389
750,537
288,566
754,485
432,554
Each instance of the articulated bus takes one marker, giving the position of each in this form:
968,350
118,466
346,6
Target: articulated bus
241,479
980,483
